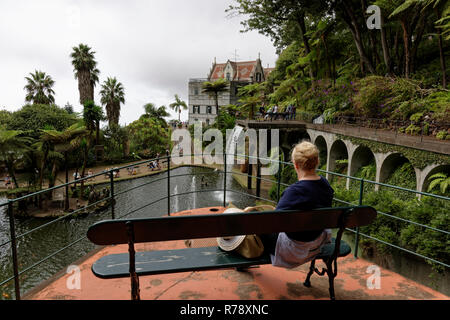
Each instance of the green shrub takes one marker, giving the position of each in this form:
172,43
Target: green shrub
372,96
413,130
441,135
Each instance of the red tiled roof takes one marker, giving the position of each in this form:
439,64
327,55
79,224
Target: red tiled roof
217,73
243,70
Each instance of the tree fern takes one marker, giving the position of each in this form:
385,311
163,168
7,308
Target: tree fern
439,179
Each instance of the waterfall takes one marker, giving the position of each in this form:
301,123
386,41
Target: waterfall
175,200
230,150
194,194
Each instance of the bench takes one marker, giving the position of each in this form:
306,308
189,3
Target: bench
134,264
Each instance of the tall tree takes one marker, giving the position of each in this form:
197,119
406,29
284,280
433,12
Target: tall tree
91,114
64,142
251,96
151,111
112,95
85,68
213,89
12,146
355,23
39,88
178,105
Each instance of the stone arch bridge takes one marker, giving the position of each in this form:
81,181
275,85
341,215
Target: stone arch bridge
336,143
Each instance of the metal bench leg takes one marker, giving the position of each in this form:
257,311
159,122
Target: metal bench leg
331,276
135,295
307,283
331,289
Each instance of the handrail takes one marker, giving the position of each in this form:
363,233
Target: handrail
168,159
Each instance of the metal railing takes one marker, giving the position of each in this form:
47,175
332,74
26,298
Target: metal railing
167,160
417,128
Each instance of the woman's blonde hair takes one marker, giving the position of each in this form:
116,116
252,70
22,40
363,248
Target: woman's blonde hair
305,155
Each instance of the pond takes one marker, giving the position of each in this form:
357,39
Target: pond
35,246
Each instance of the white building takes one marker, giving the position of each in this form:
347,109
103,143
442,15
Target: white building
202,107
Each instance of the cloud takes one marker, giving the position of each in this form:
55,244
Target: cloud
152,47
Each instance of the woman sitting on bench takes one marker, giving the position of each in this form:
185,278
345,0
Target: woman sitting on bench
311,191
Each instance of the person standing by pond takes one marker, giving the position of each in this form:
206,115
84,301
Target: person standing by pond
8,182
311,191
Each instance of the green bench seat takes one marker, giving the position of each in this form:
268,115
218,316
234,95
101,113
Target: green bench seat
182,260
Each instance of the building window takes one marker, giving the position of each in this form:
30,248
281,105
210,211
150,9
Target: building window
258,77
196,91
228,76
208,109
207,122
195,109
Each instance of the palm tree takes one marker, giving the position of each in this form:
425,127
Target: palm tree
91,114
39,88
213,89
251,95
43,147
158,113
112,96
85,70
12,147
178,105
64,142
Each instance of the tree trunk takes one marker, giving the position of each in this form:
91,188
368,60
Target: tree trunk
52,179
327,57
305,39
406,42
350,19
384,45
216,97
66,201
97,133
12,173
418,39
83,169
396,48
441,53
84,86
41,172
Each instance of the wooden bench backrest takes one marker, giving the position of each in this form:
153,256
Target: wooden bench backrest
109,232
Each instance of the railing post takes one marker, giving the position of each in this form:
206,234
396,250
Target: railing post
14,250
168,184
258,179
249,175
111,182
361,191
279,182
224,179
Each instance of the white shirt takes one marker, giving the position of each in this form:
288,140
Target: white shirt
291,253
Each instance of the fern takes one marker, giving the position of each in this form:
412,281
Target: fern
439,179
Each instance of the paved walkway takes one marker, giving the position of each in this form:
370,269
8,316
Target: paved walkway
261,283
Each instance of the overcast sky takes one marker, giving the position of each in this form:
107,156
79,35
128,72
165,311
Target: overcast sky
152,46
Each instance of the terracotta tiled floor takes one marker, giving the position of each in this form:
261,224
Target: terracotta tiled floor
263,282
